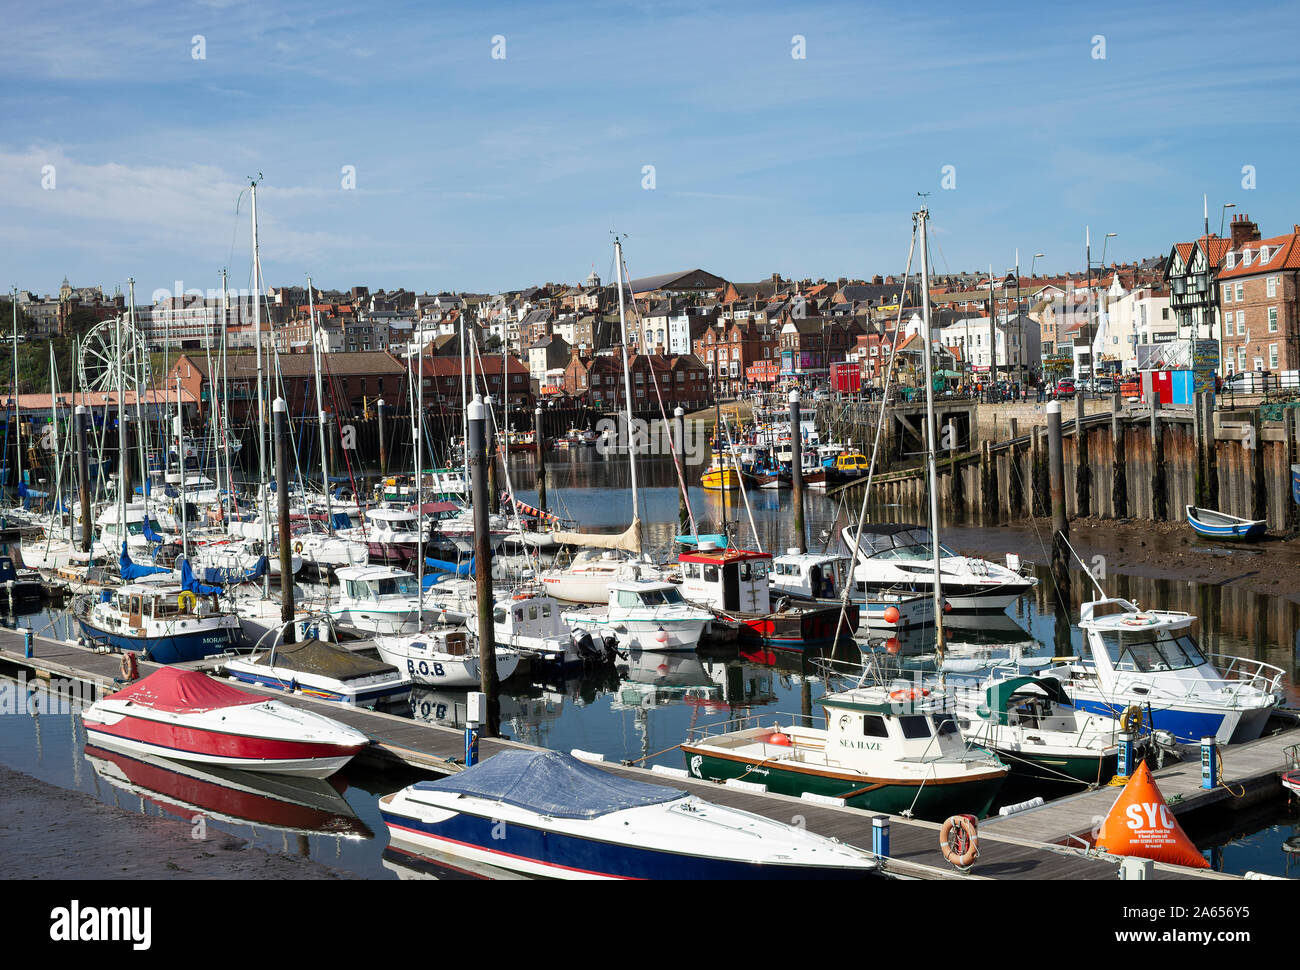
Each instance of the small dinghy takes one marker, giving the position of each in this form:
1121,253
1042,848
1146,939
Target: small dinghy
545,813
1220,525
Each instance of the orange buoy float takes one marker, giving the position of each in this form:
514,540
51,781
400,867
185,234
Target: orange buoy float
1140,824
892,645
959,841
777,738
909,694
891,614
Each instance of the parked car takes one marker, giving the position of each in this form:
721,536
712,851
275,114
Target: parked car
1105,385
1065,387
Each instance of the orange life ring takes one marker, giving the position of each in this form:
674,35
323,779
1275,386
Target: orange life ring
130,671
959,841
521,596
908,694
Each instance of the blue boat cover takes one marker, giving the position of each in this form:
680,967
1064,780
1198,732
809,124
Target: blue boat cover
149,533
189,582
456,569
130,570
340,520
551,783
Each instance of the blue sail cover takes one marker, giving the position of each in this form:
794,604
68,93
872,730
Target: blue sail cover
340,520
130,570
717,538
148,530
456,569
230,577
190,583
551,783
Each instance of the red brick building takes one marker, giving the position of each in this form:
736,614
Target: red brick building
1259,304
598,381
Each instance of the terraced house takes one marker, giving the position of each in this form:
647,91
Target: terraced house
1259,301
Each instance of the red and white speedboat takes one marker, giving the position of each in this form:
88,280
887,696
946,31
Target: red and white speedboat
186,715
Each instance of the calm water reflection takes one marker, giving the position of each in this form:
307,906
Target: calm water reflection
644,708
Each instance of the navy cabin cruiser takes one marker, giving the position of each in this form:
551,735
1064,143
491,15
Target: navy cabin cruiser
900,558
1150,660
163,621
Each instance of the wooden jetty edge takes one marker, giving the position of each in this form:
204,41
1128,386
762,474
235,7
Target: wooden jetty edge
1023,846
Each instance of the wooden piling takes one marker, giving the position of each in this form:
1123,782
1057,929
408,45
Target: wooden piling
1159,498
1015,486
1060,520
280,425
1119,466
1082,468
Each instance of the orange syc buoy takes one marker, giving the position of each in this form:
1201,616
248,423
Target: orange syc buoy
1140,824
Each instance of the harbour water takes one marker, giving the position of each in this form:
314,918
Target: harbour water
644,708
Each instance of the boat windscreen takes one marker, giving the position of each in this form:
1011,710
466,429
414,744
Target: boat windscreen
551,783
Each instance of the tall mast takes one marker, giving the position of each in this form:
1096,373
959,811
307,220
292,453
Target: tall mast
180,462
219,411
464,397
18,411
142,429
261,398
627,385
930,429
320,410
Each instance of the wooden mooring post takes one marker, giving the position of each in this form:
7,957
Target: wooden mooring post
1119,466
1082,468
1159,500
1015,486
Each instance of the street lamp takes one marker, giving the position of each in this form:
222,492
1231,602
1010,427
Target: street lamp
1222,213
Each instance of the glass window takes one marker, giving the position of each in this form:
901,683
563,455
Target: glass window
914,726
710,574
873,726
1272,319
744,572
1240,292
629,598
532,611
944,724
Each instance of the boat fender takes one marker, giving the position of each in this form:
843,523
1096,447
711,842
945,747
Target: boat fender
1140,620
909,694
779,739
959,841
130,669
187,601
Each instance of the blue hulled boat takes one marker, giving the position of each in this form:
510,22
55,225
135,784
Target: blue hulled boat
545,813
1220,525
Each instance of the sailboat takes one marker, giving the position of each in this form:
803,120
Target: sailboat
587,577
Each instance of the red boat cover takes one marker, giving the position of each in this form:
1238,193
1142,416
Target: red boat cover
434,508
183,692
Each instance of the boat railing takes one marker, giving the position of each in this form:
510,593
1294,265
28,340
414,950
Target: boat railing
734,724
1244,674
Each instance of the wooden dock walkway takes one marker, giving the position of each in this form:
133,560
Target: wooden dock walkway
1252,769
1009,848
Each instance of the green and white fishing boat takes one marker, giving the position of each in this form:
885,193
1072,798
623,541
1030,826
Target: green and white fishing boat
882,750
1032,724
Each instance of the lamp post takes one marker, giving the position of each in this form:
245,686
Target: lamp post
1021,313
1212,304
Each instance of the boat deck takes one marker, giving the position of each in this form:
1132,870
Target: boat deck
1015,848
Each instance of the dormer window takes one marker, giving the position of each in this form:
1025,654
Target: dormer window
1245,257
1229,260
1263,254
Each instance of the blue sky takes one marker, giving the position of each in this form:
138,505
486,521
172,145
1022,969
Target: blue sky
482,173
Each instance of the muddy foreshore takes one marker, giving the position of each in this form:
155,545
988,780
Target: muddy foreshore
48,832
1158,550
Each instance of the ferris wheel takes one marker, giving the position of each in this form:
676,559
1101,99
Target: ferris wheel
114,357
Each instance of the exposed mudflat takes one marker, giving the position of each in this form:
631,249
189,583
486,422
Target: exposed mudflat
1160,550
49,832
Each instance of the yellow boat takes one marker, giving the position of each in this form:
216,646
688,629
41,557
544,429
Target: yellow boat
718,479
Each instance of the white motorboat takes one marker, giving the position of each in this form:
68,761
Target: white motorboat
443,657
646,614
897,558
380,600
316,668
1150,660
